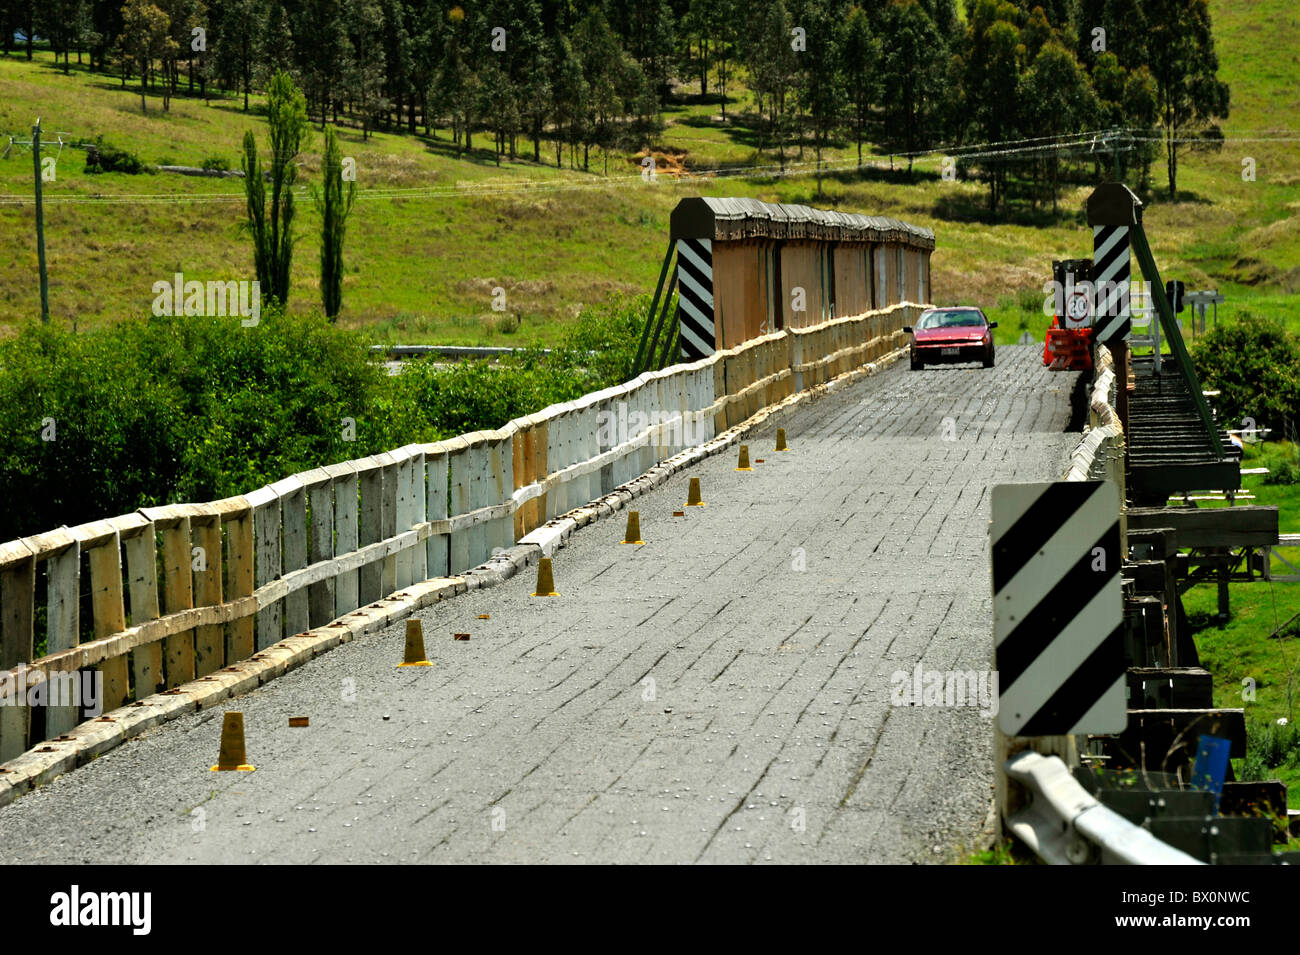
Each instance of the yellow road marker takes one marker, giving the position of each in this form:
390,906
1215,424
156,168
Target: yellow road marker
545,579
633,533
414,645
693,498
232,755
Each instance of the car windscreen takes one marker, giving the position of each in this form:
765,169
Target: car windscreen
963,318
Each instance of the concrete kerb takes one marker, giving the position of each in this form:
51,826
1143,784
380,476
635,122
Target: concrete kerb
57,756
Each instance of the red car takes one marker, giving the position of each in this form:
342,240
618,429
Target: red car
951,335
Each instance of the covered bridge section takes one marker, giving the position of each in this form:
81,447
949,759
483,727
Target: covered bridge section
746,268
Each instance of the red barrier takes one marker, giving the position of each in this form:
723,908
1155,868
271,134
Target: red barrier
1068,349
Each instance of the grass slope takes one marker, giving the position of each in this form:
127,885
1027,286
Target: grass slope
422,267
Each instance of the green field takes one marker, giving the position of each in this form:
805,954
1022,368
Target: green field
421,266
1243,648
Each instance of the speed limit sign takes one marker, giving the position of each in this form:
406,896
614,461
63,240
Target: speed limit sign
1078,309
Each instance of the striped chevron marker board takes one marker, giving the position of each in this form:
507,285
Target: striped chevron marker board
1057,608
695,297
1110,277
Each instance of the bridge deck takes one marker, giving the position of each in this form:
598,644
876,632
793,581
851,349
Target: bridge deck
772,686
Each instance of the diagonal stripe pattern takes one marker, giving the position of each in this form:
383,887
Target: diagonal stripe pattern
695,297
1057,608
1110,276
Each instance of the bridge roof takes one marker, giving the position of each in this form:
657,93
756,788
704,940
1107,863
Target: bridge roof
732,219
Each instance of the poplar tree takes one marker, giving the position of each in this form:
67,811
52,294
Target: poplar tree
336,204
272,230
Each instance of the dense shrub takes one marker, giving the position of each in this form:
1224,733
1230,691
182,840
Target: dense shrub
597,352
1282,463
166,409
159,409
1255,365
602,344
216,164
101,157
1270,746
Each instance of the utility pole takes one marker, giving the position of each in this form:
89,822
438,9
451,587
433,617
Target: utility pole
40,223
1113,136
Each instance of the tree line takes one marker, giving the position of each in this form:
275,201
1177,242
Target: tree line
559,78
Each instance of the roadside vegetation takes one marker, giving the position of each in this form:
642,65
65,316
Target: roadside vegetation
153,410
1254,364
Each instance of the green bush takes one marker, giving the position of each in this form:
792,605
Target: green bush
101,157
602,344
216,164
1269,747
158,410
1255,365
597,352
1281,460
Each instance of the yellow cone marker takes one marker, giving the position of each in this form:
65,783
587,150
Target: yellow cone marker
693,496
232,755
545,580
633,533
780,440
744,459
414,645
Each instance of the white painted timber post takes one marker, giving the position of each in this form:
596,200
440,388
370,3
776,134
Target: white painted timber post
266,568
478,461
205,559
347,534
370,476
139,540
63,612
320,543
503,472
397,493
417,555
435,466
293,516
458,461
17,635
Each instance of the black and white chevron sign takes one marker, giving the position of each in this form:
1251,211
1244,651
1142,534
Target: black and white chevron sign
695,297
1110,277
1057,608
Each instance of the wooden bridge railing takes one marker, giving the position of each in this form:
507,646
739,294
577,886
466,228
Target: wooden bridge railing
167,595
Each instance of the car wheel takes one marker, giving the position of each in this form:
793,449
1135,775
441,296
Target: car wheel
917,364
988,359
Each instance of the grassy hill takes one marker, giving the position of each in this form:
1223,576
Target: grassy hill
433,234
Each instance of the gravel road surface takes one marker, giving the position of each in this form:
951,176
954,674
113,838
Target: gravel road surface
720,694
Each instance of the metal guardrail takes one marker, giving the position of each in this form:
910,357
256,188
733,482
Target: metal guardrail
1144,319
447,351
1065,825
1283,540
